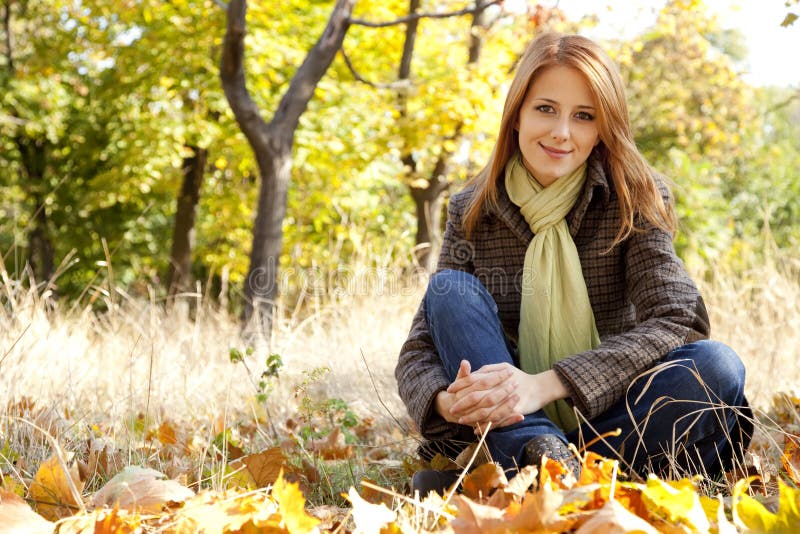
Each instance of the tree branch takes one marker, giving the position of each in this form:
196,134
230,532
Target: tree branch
301,88
782,104
417,16
397,86
233,80
7,28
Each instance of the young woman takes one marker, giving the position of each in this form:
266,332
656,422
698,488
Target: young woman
559,311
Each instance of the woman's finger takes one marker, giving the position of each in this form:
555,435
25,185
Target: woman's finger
482,399
480,380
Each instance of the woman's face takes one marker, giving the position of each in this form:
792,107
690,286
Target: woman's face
557,124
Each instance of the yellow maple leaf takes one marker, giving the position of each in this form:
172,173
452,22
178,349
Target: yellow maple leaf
676,502
749,514
291,507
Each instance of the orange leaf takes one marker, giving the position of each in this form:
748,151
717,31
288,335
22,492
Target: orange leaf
596,469
166,434
17,516
483,480
104,520
791,459
51,488
333,446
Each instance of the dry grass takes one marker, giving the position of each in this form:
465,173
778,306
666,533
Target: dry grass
94,372
758,314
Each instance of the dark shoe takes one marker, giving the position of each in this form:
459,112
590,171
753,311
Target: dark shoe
429,480
553,447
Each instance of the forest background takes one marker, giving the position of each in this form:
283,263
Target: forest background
129,199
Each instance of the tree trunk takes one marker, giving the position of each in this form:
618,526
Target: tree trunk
428,199
41,256
40,246
272,145
179,278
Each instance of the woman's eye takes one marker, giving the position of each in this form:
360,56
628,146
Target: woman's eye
544,108
584,116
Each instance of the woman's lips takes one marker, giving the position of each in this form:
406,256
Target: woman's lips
554,152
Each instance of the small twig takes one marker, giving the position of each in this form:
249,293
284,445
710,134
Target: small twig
469,464
417,16
14,344
375,388
399,85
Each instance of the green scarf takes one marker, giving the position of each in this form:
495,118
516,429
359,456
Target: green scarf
556,318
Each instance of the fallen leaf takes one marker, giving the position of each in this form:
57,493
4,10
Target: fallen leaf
596,469
105,521
476,518
539,512
333,446
264,467
16,516
791,458
12,485
51,489
481,482
677,502
751,515
221,511
140,489
166,433
522,481
291,506
369,518
613,518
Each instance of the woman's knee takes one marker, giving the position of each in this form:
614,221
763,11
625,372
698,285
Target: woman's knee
456,291
719,368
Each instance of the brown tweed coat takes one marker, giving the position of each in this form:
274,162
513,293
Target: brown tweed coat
644,302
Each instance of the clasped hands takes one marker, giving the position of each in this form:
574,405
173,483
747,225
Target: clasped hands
499,393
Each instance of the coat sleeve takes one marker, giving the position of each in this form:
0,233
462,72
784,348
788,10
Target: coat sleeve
419,372
669,313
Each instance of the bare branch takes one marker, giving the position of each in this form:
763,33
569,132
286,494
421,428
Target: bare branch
782,104
233,80
221,4
397,86
417,16
308,75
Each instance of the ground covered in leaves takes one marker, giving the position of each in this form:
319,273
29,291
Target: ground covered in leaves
332,471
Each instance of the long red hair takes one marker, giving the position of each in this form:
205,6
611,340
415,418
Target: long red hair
633,178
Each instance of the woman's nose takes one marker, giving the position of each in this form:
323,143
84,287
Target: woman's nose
561,129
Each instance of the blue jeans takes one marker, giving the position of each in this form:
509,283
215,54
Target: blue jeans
678,421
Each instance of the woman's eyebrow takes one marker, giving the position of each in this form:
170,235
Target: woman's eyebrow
551,101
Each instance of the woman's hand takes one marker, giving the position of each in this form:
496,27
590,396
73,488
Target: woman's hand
498,393
478,398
